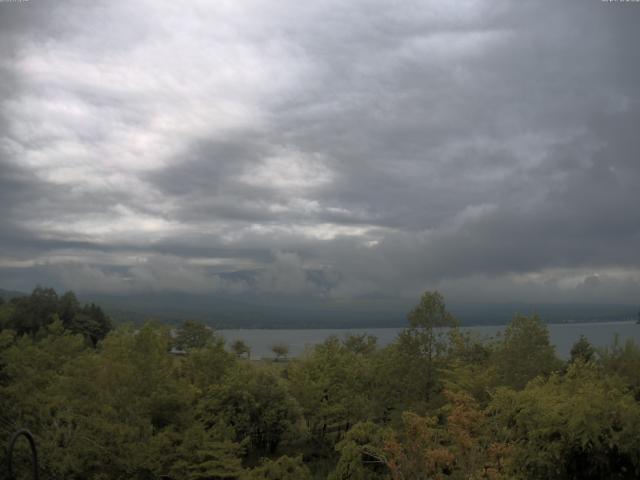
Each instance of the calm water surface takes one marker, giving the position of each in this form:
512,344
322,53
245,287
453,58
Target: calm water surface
563,336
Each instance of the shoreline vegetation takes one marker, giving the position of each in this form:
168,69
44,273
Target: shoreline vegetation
159,401
629,320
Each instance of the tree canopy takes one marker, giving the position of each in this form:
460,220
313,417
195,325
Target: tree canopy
33,314
437,403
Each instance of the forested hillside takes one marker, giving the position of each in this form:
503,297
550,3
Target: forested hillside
149,402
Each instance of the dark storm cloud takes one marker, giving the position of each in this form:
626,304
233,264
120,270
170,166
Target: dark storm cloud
485,148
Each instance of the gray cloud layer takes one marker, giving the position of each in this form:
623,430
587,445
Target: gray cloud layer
486,148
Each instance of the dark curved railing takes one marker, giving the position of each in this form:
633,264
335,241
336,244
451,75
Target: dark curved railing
34,453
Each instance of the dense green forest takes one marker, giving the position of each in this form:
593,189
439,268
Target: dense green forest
152,402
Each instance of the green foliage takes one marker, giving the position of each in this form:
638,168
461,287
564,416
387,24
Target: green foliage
33,314
623,361
192,335
430,313
254,404
469,366
35,311
582,425
420,353
124,411
95,323
524,352
207,366
333,386
241,349
6,314
29,368
68,308
436,404
362,344
284,468
362,454
582,350
203,455
281,350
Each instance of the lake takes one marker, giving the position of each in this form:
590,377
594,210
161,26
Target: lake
563,336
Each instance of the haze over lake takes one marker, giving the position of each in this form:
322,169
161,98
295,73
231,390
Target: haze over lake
562,336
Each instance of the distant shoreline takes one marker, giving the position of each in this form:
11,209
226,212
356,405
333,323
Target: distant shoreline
562,335
474,325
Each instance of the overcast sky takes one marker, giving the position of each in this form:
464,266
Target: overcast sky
489,149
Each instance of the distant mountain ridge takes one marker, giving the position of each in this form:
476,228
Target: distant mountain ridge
280,311
245,311
9,294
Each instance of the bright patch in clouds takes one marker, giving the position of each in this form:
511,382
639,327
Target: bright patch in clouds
485,148
288,171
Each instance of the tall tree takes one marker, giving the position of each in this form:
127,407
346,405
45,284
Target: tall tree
582,350
281,350
241,349
35,311
68,307
525,352
92,322
192,335
424,341
334,387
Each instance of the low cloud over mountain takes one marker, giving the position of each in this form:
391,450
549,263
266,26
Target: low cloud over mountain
489,149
